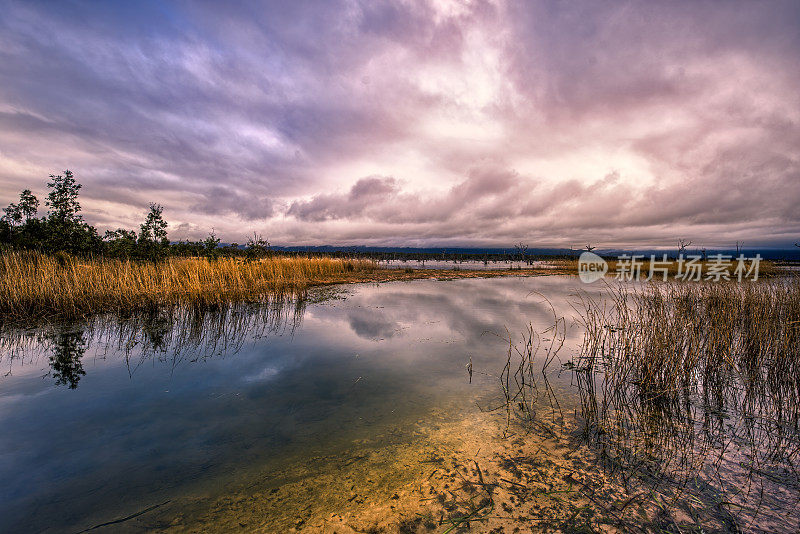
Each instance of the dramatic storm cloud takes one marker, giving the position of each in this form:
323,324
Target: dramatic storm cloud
415,123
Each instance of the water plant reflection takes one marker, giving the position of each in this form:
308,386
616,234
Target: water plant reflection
171,334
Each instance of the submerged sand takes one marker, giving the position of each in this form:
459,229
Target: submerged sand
472,472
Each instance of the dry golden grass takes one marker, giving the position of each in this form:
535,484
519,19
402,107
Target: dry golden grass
34,285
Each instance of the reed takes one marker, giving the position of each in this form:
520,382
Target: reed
698,384
667,338
688,391
34,285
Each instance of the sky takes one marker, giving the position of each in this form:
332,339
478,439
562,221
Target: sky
430,123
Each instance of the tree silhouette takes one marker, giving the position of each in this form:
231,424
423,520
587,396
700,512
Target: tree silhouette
120,243
65,229
257,246
682,244
13,215
28,204
154,228
153,234
25,209
63,198
210,244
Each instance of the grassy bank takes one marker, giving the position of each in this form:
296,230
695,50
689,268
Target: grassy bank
40,287
37,287
34,285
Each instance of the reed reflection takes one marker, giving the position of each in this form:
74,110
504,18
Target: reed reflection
171,334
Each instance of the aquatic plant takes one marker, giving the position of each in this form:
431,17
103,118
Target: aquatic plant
689,393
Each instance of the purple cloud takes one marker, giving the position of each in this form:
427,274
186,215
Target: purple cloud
477,123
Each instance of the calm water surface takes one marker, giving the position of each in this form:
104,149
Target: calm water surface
114,416
471,265
101,420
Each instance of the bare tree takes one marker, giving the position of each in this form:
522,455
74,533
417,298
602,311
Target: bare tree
739,246
589,247
682,245
522,250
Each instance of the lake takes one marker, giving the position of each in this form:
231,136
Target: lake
371,406
468,265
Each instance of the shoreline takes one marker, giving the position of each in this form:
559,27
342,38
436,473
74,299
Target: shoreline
53,317
398,275
37,289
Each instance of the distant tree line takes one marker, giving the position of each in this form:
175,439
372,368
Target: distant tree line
63,230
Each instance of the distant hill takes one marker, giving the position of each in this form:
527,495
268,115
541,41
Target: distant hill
789,254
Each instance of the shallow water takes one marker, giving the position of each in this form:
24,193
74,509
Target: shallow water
349,409
158,418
